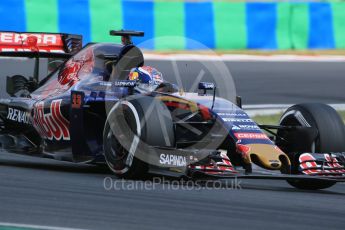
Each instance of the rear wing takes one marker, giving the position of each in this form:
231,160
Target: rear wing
27,44
126,35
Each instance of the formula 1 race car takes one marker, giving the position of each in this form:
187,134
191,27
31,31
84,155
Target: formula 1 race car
89,110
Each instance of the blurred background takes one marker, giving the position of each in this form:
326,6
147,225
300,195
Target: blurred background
290,51
218,24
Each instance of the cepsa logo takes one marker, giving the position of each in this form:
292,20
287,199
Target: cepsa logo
18,39
251,136
19,42
52,125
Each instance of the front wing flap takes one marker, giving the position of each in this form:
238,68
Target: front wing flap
312,167
321,164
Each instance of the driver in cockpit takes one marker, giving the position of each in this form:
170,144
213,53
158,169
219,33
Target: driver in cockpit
150,79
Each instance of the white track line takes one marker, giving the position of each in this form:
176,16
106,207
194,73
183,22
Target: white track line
4,224
243,57
269,109
285,106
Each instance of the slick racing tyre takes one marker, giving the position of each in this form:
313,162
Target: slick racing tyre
328,123
132,126
310,185
330,136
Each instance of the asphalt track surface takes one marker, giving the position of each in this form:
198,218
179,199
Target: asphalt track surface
263,82
46,192
258,82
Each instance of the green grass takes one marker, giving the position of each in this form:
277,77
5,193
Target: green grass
267,119
274,118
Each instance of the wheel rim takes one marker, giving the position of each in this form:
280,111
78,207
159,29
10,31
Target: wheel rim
116,155
296,118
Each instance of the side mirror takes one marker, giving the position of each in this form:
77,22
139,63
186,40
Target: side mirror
204,86
239,101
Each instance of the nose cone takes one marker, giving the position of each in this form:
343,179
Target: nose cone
266,156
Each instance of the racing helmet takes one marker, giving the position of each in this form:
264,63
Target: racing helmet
147,77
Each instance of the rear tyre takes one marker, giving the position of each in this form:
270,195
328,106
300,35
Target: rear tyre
131,128
330,135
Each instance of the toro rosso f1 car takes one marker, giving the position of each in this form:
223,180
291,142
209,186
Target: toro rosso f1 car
88,110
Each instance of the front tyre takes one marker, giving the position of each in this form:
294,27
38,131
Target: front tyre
310,185
330,135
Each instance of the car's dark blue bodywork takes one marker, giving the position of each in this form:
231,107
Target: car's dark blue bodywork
69,115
